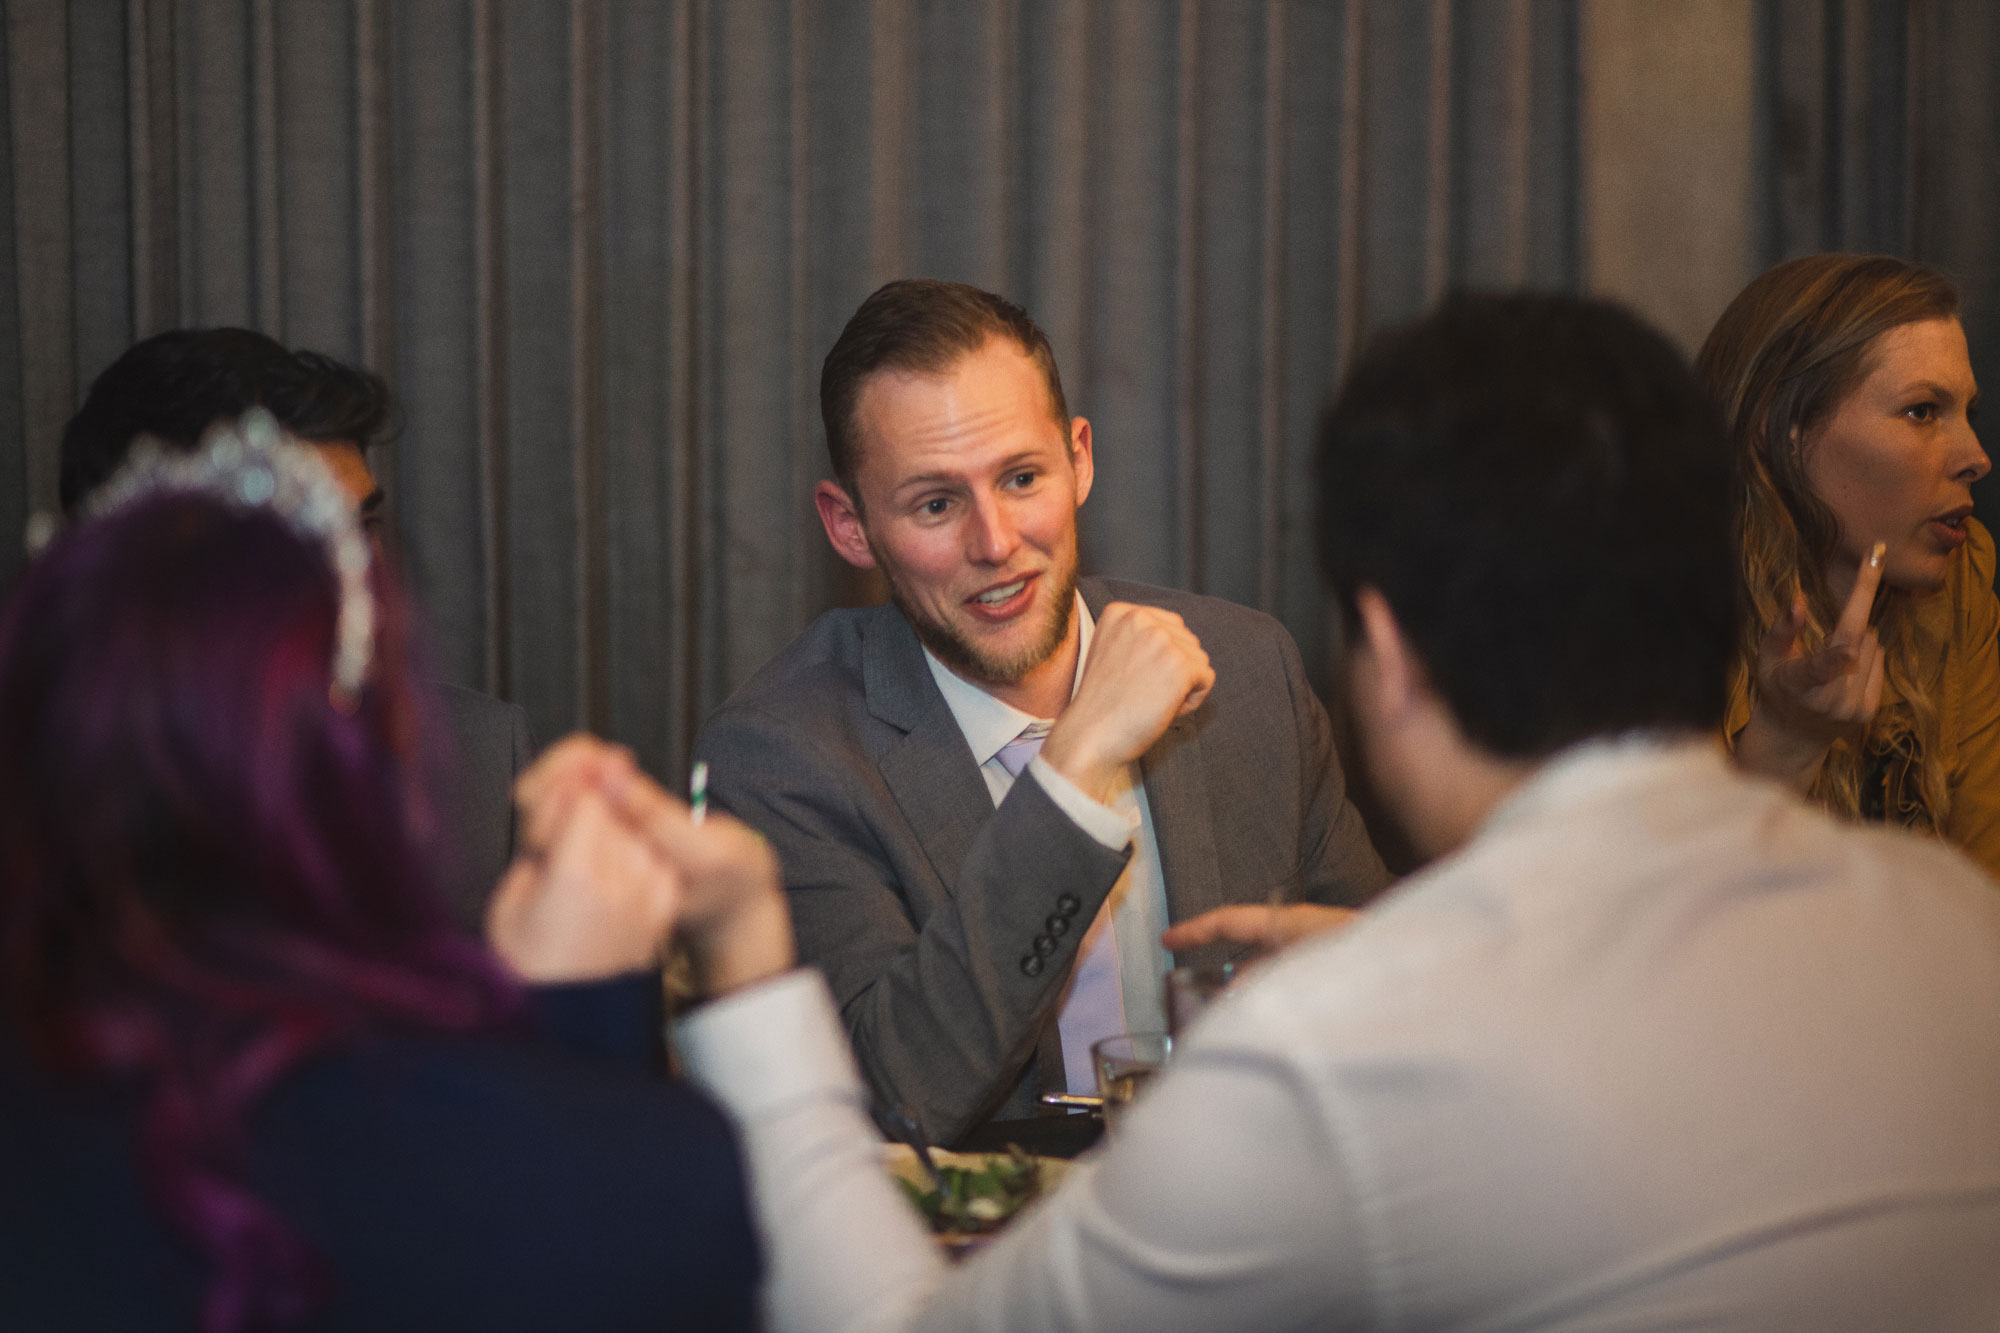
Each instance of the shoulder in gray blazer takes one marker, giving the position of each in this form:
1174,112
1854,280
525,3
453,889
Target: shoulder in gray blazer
488,746
920,901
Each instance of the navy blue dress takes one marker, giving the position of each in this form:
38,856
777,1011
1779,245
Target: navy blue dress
486,1183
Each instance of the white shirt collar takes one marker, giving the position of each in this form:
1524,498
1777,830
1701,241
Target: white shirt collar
1604,764
986,722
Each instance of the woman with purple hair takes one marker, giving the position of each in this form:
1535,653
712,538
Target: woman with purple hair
250,1076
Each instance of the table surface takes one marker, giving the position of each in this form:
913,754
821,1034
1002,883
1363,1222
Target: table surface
1043,1135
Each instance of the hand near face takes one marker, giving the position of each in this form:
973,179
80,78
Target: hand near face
613,869
1808,700
1146,668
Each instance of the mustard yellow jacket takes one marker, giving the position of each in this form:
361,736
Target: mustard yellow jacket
1964,615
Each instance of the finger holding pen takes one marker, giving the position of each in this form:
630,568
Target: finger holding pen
588,810
734,924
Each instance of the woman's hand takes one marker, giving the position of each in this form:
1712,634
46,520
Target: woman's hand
1807,701
612,868
734,926
586,897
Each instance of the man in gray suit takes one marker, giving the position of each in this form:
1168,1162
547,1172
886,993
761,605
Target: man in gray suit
176,384
992,795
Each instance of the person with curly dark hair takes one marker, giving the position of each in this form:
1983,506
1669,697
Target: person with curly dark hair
171,388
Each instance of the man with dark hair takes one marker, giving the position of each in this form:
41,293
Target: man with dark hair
992,795
1649,1044
1613,609
173,387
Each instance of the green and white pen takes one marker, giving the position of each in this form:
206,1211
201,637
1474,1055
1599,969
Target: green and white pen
698,792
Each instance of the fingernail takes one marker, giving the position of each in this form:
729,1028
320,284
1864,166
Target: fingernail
1875,554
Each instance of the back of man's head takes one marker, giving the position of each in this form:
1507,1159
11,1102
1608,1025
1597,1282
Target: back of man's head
175,385
919,326
1541,491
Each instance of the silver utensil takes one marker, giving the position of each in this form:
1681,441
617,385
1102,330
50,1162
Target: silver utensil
1073,1101
910,1130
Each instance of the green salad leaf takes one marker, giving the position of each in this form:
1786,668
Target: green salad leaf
977,1200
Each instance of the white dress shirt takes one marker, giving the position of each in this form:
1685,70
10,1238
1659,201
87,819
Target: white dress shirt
1660,1048
1136,908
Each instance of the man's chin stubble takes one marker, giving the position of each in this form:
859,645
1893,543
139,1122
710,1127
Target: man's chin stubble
955,651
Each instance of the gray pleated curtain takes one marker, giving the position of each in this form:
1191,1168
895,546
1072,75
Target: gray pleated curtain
600,249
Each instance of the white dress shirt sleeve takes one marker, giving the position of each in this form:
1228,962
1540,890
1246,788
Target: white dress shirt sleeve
1113,828
1221,1205
843,1249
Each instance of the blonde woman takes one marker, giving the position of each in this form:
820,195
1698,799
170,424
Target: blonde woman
1866,674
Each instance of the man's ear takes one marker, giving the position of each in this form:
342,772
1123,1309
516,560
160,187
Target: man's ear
1397,677
841,518
1080,459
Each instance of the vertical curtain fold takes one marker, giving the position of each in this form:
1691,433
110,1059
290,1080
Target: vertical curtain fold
600,249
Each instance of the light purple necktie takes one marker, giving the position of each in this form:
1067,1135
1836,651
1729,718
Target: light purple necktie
1015,754
1093,1007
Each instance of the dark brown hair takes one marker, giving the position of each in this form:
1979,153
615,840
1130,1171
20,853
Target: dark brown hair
175,385
919,326
1587,583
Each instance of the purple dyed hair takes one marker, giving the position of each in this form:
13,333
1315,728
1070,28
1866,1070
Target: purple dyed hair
208,872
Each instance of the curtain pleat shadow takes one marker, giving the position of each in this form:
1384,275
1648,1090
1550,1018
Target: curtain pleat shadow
600,249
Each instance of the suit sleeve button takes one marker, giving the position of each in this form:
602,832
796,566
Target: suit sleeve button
1044,945
1031,966
1058,926
1067,904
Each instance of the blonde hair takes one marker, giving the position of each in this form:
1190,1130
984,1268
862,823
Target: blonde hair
1784,355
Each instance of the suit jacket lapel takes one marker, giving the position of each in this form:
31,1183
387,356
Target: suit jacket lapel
930,770
1184,828
1183,820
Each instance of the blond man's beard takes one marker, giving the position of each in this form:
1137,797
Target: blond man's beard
966,658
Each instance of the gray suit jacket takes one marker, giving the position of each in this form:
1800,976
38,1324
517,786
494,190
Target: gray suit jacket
921,902
489,745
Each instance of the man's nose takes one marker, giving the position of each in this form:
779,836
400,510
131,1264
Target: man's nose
994,534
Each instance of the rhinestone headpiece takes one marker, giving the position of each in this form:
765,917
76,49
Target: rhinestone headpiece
248,465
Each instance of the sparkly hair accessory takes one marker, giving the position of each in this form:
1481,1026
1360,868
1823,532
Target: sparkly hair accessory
248,465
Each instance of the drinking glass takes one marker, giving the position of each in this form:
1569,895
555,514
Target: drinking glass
1192,988
1125,1064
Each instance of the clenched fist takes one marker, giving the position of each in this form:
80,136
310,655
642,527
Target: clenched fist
1146,668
